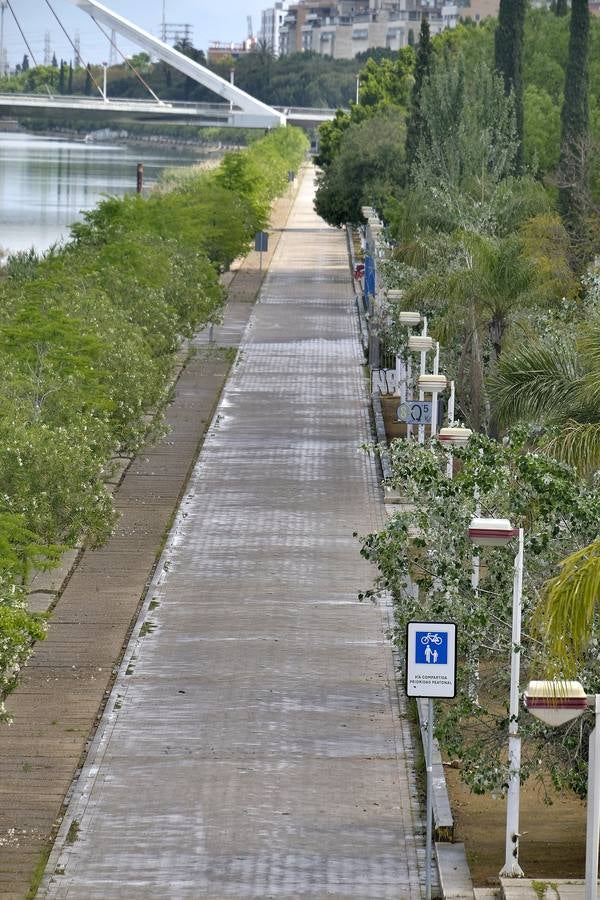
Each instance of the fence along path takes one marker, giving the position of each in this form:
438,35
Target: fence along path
253,745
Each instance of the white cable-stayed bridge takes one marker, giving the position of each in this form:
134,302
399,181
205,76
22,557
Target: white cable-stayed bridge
237,108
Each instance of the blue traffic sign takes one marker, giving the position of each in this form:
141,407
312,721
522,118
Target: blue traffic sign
431,648
431,659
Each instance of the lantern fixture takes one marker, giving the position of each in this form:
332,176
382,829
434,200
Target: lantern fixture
491,532
454,436
407,317
432,384
555,702
421,343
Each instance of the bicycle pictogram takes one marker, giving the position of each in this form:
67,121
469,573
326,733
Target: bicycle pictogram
431,638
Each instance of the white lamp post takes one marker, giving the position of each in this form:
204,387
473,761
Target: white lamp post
555,703
497,533
104,67
434,385
408,318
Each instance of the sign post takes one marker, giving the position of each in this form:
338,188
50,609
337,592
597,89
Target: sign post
430,672
261,244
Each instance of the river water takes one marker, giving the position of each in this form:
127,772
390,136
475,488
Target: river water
45,184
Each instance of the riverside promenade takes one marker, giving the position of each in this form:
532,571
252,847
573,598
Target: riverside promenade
254,743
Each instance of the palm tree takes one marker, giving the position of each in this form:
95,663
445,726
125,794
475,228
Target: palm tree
484,284
556,384
569,607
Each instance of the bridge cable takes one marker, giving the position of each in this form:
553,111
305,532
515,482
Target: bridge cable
114,45
68,37
31,53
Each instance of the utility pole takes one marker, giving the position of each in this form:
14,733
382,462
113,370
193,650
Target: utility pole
2,50
77,45
112,53
47,49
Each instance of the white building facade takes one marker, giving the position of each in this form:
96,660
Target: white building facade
271,21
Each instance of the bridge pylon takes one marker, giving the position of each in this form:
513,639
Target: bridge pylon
246,112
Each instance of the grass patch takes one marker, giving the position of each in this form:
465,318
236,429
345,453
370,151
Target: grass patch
38,872
72,833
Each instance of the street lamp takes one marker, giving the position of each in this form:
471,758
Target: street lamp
558,702
408,318
498,533
104,67
434,385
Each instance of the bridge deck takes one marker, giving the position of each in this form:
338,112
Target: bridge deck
253,745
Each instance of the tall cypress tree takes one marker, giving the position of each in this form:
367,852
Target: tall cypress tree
416,124
573,174
508,48
561,8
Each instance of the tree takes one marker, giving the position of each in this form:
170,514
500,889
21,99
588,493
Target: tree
424,562
70,81
87,88
573,192
415,128
25,64
54,61
61,77
561,8
367,169
508,47
480,285
556,383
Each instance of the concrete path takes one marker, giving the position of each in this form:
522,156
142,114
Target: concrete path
253,744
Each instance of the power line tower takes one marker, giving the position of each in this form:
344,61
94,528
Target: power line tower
177,33
77,45
3,60
112,53
47,49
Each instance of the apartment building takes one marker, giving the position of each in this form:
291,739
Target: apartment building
271,20
343,28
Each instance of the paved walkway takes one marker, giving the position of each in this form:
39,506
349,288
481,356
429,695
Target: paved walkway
253,746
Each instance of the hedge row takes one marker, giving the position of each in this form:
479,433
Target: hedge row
87,339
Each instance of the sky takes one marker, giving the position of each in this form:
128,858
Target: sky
221,20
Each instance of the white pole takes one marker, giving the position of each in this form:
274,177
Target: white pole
450,464
104,84
2,66
593,808
399,375
429,806
434,415
421,428
408,385
434,396
511,868
357,87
